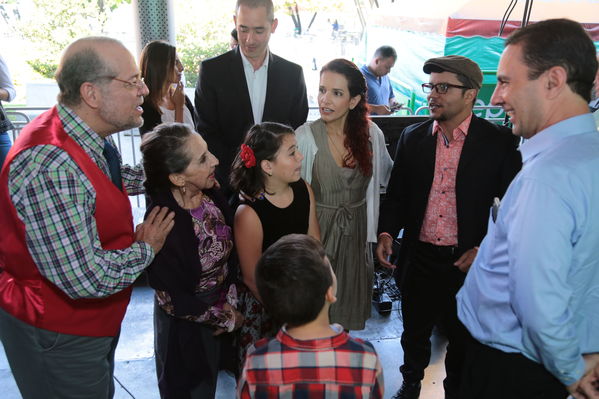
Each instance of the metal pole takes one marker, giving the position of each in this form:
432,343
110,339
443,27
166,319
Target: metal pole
154,21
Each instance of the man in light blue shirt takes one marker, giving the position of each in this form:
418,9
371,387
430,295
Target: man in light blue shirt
531,298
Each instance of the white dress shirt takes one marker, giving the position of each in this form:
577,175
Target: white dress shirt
256,81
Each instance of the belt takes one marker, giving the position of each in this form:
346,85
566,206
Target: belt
440,250
341,219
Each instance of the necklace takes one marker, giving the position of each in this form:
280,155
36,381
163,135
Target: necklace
337,150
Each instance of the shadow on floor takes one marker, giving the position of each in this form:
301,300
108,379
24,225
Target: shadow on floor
135,372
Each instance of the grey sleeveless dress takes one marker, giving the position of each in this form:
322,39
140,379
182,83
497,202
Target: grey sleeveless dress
340,195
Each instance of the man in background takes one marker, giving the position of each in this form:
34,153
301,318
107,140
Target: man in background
381,99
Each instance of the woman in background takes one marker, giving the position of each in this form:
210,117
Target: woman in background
194,274
346,162
234,39
7,93
162,71
276,201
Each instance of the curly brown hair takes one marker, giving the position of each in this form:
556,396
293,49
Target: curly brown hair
357,137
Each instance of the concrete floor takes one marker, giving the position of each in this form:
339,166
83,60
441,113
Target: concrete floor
135,374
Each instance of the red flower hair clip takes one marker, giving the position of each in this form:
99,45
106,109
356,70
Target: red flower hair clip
247,156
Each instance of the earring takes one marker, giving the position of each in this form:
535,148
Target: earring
182,188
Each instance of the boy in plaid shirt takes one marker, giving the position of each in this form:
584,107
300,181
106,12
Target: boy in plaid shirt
309,358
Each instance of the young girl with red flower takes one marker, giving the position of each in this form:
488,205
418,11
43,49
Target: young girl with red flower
275,201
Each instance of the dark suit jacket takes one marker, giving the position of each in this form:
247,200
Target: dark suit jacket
488,163
223,107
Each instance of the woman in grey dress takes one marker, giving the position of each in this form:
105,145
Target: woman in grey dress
346,162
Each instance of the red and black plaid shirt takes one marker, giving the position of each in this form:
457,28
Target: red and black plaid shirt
333,367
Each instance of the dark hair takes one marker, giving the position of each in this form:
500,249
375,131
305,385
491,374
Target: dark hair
293,277
234,34
357,137
385,52
270,13
558,42
264,139
157,63
164,152
85,65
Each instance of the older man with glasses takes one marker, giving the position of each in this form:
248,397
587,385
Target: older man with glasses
446,174
68,253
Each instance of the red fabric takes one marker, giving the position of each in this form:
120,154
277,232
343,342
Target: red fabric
333,367
440,225
24,292
490,28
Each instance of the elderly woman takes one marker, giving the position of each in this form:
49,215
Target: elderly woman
195,300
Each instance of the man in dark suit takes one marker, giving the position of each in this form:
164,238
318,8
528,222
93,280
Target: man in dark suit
247,85
446,174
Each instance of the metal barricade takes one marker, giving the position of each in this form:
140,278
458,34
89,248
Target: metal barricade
19,120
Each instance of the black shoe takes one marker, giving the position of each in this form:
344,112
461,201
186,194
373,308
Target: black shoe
408,390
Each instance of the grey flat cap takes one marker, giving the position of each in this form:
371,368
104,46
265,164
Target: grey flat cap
459,65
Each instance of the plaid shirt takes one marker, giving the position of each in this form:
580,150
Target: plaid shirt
333,367
56,202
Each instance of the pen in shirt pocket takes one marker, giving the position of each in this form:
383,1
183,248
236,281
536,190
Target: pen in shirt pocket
495,208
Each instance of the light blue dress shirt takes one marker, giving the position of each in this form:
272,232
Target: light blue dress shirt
534,286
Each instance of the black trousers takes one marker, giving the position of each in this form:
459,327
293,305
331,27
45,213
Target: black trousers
429,286
492,374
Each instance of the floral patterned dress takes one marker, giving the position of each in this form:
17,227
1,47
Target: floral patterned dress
215,245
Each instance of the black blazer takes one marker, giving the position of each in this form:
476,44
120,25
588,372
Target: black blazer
488,163
153,118
223,107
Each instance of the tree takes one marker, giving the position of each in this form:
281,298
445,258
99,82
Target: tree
318,5
194,48
53,25
203,29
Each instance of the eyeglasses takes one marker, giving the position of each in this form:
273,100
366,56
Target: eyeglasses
440,87
137,83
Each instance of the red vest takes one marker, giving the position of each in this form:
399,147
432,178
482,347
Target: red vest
24,292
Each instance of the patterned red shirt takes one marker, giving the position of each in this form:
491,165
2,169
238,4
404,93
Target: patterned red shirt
440,225
333,367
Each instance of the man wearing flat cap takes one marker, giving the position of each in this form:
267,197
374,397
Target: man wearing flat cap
447,172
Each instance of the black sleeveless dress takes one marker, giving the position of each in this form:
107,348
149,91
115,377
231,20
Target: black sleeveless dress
276,223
